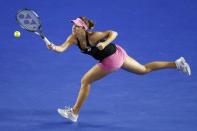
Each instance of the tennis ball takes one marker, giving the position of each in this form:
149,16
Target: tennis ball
17,34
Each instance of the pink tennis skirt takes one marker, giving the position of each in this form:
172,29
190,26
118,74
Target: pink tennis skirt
114,61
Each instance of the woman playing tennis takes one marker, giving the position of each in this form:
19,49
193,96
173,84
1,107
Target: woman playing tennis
111,57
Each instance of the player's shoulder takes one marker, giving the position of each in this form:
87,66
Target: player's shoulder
94,32
100,33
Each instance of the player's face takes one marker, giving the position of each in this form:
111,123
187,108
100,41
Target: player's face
76,29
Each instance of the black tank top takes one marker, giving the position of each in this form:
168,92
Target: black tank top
95,52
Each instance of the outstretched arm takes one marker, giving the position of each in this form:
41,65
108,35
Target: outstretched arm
61,48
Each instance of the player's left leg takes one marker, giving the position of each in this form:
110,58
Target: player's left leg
132,65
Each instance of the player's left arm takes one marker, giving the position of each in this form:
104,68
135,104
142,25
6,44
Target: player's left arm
109,36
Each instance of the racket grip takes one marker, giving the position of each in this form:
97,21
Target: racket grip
46,41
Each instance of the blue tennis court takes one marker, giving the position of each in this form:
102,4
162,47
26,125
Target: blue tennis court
35,81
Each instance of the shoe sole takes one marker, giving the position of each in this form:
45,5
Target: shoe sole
188,69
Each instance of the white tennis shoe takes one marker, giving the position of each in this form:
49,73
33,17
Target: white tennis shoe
182,65
68,114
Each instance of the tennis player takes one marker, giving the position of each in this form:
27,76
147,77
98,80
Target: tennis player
111,57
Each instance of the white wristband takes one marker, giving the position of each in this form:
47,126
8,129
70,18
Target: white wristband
53,46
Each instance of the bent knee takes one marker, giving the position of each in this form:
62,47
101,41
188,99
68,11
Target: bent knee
143,70
85,81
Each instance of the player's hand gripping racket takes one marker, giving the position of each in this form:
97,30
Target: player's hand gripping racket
30,21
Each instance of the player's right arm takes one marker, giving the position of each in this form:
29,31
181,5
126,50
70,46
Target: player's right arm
63,47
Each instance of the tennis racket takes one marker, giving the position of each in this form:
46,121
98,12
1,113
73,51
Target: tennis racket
30,21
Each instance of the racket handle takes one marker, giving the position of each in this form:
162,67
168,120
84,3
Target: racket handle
46,41
53,47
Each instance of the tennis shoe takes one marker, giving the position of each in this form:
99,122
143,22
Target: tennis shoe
68,114
182,65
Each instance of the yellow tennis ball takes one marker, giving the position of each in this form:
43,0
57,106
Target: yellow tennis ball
17,34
